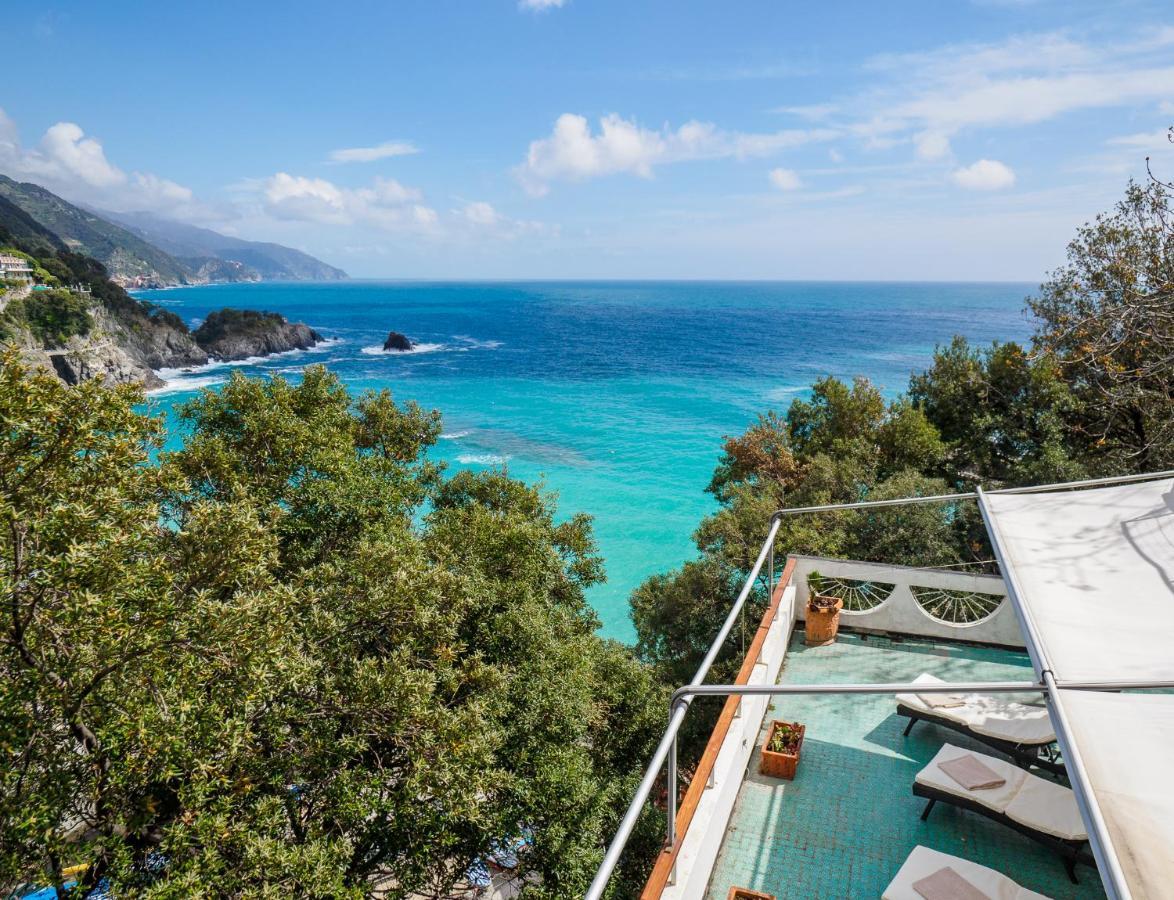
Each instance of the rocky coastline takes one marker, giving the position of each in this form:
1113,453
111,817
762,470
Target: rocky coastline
130,345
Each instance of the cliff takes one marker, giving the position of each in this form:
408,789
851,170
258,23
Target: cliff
70,334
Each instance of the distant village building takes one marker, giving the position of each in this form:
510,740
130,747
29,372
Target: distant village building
15,268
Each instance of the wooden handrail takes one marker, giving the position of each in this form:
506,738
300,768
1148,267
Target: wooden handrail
667,859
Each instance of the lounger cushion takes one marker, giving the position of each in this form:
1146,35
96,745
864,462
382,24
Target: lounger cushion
994,717
1008,720
1036,802
996,799
1048,807
923,862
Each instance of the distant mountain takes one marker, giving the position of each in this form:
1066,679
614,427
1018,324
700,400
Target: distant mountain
128,258
195,246
143,250
17,226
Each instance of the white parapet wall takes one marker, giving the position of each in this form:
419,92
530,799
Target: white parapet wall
905,599
700,845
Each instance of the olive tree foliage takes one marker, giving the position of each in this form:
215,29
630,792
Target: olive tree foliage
294,658
1107,318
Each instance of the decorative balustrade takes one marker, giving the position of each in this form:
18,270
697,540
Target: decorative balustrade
938,603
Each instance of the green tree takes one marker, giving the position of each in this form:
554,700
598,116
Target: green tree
293,658
1106,318
1004,415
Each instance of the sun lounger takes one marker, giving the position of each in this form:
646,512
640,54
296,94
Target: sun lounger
1020,731
1036,807
923,863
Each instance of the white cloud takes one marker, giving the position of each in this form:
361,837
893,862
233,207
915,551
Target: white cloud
810,111
572,152
984,175
835,155
69,162
480,213
785,179
931,145
385,204
65,149
371,154
424,215
540,5
1146,140
481,219
1024,80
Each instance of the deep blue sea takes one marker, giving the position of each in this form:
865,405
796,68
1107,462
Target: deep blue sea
616,395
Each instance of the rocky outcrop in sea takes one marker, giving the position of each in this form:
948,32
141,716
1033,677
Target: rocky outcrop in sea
398,342
230,334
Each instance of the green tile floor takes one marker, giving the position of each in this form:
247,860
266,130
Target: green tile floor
843,827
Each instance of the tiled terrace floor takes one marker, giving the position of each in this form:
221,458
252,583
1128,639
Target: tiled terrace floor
843,827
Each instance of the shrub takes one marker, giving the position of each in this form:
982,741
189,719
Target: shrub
55,316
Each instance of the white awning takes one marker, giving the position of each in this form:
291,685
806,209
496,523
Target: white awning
1092,575
1125,742
1095,571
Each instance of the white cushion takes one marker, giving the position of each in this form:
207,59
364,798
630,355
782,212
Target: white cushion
996,799
989,716
1008,720
1036,802
1048,807
923,862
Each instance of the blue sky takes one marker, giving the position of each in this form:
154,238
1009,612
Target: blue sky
603,138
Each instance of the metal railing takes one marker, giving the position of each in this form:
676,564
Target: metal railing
666,750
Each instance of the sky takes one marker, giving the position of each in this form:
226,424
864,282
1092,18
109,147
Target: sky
935,140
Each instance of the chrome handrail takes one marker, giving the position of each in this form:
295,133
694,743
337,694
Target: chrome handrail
666,750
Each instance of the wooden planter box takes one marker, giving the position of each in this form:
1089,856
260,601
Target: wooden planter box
820,626
741,893
780,765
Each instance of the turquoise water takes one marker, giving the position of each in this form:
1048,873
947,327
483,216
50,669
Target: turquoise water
616,395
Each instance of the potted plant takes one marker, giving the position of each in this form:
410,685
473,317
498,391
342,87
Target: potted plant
780,750
822,621
741,893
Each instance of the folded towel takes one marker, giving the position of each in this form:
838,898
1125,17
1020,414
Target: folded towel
946,884
972,773
942,701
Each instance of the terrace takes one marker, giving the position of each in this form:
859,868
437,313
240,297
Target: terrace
846,823
1043,647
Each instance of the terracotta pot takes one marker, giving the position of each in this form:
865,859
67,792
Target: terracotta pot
821,625
741,893
780,765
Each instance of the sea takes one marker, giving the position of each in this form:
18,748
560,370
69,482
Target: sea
615,396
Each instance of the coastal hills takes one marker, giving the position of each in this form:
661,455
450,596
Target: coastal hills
205,251
140,250
62,311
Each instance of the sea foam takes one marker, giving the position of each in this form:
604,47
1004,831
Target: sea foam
482,459
377,350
